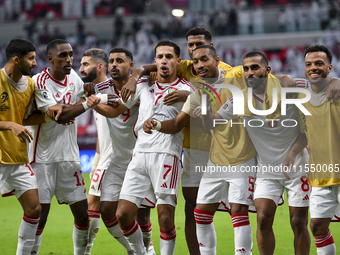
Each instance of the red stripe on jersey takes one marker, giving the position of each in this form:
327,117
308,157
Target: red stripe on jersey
100,182
172,85
174,174
58,82
117,91
35,145
153,204
104,84
11,193
258,98
142,80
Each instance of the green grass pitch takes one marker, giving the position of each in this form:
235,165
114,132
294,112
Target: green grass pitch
57,236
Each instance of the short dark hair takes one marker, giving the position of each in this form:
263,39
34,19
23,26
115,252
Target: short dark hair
211,49
317,48
19,47
255,53
200,31
124,50
170,43
53,45
97,55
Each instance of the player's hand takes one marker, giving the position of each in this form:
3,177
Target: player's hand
112,100
287,82
92,173
55,111
70,122
152,78
149,125
175,97
197,112
89,88
21,132
129,89
333,90
93,101
287,166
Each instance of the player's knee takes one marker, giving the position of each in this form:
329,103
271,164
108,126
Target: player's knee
106,211
82,218
264,221
33,210
123,215
298,223
317,228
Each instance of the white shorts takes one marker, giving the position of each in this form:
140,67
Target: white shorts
298,190
193,158
113,181
154,176
324,202
62,179
227,190
16,179
97,182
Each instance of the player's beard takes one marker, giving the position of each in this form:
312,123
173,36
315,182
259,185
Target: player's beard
91,76
258,81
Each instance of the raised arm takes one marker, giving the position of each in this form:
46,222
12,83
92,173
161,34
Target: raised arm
129,89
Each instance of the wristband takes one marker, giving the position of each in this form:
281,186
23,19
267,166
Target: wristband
85,105
95,160
103,98
158,126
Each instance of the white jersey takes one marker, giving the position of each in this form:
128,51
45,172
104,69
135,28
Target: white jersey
121,128
54,142
151,106
105,145
272,139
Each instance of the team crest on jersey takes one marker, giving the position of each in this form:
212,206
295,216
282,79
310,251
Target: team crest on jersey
169,90
4,97
152,91
72,87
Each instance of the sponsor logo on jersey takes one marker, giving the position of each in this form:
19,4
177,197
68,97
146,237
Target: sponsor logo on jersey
306,197
152,91
4,97
57,95
164,185
45,94
3,108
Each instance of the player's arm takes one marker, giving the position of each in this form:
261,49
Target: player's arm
20,131
129,89
106,109
169,126
299,144
64,113
36,118
333,90
176,96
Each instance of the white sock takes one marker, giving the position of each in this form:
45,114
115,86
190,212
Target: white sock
134,235
167,242
94,217
205,230
80,237
243,237
325,244
26,234
114,229
147,234
37,241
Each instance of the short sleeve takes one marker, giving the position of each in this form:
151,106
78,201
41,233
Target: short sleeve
226,110
43,97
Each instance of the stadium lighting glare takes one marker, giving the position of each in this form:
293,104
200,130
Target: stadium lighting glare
177,12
